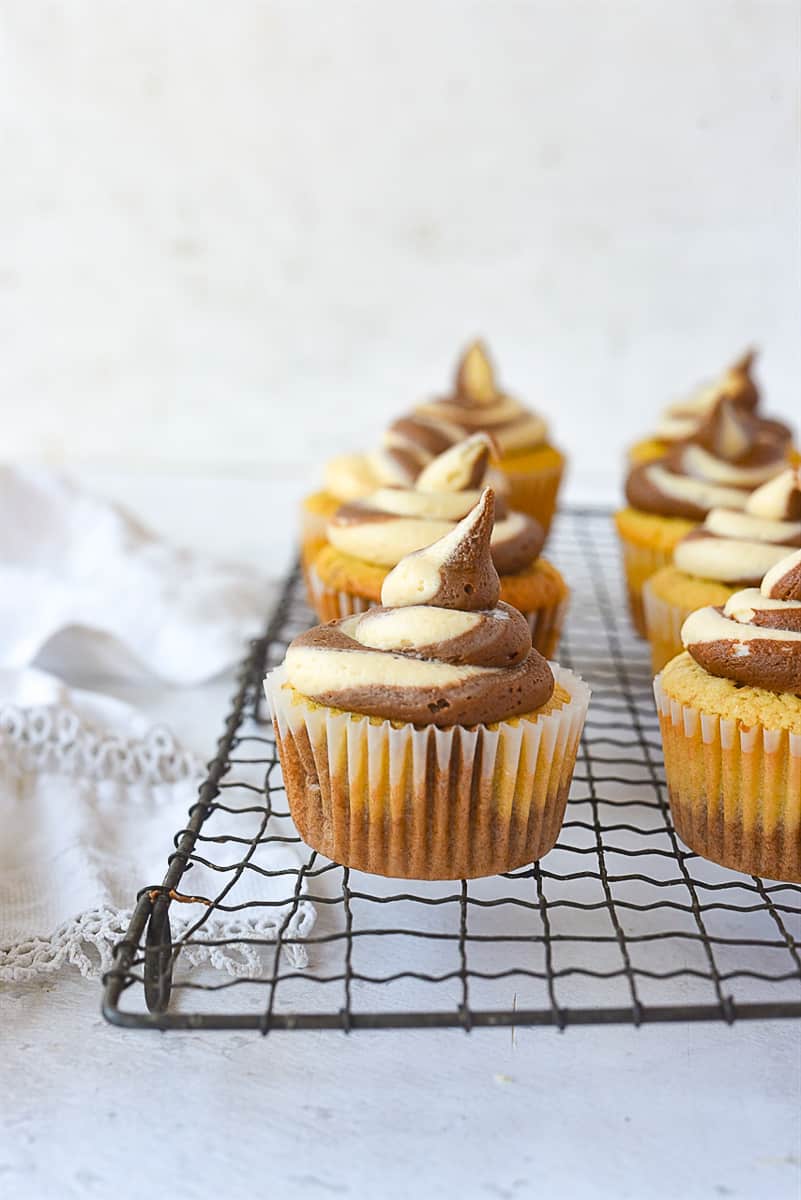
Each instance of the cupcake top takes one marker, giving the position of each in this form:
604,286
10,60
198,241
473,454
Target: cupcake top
411,442
681,420
441,650
392,522
755,639
738,547
731,454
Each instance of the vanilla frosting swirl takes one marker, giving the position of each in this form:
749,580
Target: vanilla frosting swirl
730,455
441,650
390,523
738,547
755,639
414,440
681,420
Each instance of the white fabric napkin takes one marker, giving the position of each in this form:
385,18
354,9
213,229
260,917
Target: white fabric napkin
82,582
90,797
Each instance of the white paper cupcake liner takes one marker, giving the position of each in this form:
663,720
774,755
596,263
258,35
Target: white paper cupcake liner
427,803
735,791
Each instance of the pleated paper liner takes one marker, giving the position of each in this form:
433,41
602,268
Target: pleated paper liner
330,604
639,563
534,492
735,792
427,803
663,622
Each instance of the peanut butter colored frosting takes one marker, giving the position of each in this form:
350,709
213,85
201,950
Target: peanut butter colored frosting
441,650
392,522
739,547
730,455
681,420
756,638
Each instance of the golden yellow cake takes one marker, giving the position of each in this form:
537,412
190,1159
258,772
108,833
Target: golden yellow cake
730,715
647,542
668,598
427,738
730,455
368,537
730,550
316,511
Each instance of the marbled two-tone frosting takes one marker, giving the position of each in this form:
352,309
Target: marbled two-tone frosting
755,639
730,455
441,650
392,522
477,404
682,419
738,547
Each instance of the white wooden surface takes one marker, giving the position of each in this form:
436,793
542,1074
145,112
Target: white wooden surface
88,1111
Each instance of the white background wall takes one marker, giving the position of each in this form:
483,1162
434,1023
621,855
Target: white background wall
236,237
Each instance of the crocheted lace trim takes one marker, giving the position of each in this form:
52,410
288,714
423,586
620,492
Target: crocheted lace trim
87,942
53,739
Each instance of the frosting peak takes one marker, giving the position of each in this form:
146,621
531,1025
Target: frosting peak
457,571
475,377
731,453
439,651
779,499
458,469
680,420
390,523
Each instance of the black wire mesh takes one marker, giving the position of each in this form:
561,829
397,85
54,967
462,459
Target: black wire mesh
619,923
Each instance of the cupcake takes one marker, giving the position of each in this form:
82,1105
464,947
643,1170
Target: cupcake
730,714
730,455
529,467
426,738
368,537
682,419
731,550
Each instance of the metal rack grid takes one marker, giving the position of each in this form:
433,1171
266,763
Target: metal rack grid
619,923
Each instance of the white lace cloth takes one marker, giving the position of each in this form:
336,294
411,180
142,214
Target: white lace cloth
83,584
90,797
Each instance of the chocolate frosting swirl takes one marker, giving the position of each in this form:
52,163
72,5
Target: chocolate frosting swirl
755,639
441,650
681,420
392,522
417,438
731,453
739,547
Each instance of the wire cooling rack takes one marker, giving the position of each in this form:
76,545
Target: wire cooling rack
619,923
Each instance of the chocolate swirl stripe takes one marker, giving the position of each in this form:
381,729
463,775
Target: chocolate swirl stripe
440,651
739,547
756,638
390,523
730,455
681,420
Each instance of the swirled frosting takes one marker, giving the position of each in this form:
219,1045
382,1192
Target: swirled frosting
730,455
739,547
415,439
756,638
681,420
441,650
392,522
